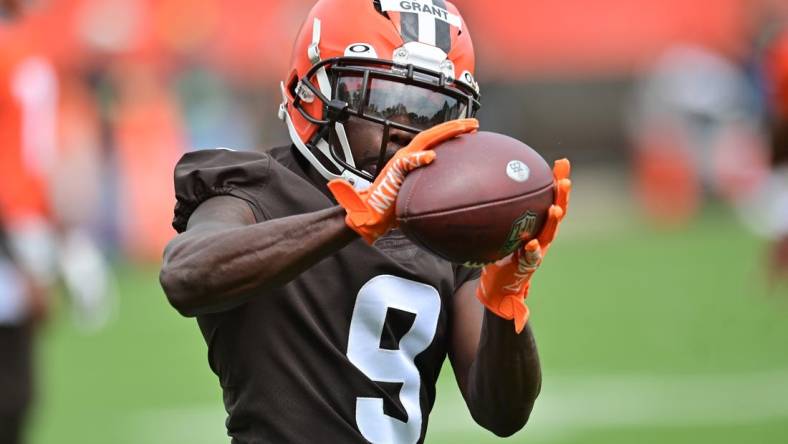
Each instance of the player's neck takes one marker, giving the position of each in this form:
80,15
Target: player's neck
312,174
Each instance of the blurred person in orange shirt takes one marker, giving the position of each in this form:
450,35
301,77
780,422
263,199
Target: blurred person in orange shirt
28,102
696,134
40,237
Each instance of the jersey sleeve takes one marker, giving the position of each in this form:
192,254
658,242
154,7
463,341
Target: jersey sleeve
201,175
463,274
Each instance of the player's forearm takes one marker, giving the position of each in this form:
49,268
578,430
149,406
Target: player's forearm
205,272
505,378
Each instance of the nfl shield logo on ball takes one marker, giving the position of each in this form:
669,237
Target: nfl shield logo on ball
523,224
518,171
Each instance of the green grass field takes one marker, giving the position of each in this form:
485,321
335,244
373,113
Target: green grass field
645,337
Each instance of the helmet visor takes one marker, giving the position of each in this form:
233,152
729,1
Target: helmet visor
407,104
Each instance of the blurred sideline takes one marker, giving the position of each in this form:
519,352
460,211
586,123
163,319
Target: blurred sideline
568,405
601,203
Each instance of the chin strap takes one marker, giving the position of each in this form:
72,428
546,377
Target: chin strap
358,182
345,143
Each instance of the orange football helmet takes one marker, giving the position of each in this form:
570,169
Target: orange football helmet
403,64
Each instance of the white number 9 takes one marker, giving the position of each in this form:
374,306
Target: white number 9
396,366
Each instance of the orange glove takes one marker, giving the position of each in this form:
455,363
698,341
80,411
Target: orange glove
370,213
504,285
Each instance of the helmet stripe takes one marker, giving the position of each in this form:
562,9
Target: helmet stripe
409,26
428,25
425,21
442,30
427,28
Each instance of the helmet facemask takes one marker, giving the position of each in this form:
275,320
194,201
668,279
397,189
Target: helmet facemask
405,98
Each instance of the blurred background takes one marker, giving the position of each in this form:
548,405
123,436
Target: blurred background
661,313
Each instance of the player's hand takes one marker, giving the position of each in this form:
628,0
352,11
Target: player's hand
504,285
370,213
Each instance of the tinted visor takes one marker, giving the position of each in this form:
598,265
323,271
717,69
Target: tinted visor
411,105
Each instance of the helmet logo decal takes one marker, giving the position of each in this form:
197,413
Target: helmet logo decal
425,21
467,78
361,50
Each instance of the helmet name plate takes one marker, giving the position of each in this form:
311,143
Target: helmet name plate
421,7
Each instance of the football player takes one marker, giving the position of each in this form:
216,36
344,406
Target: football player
323,322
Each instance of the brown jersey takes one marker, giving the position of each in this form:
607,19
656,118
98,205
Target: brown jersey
350,350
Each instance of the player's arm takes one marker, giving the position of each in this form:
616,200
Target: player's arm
497,366
497,370
224,256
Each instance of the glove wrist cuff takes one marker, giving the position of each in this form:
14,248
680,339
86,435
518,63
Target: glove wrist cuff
510,306
368,235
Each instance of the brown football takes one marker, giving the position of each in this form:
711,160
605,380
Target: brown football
474,203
